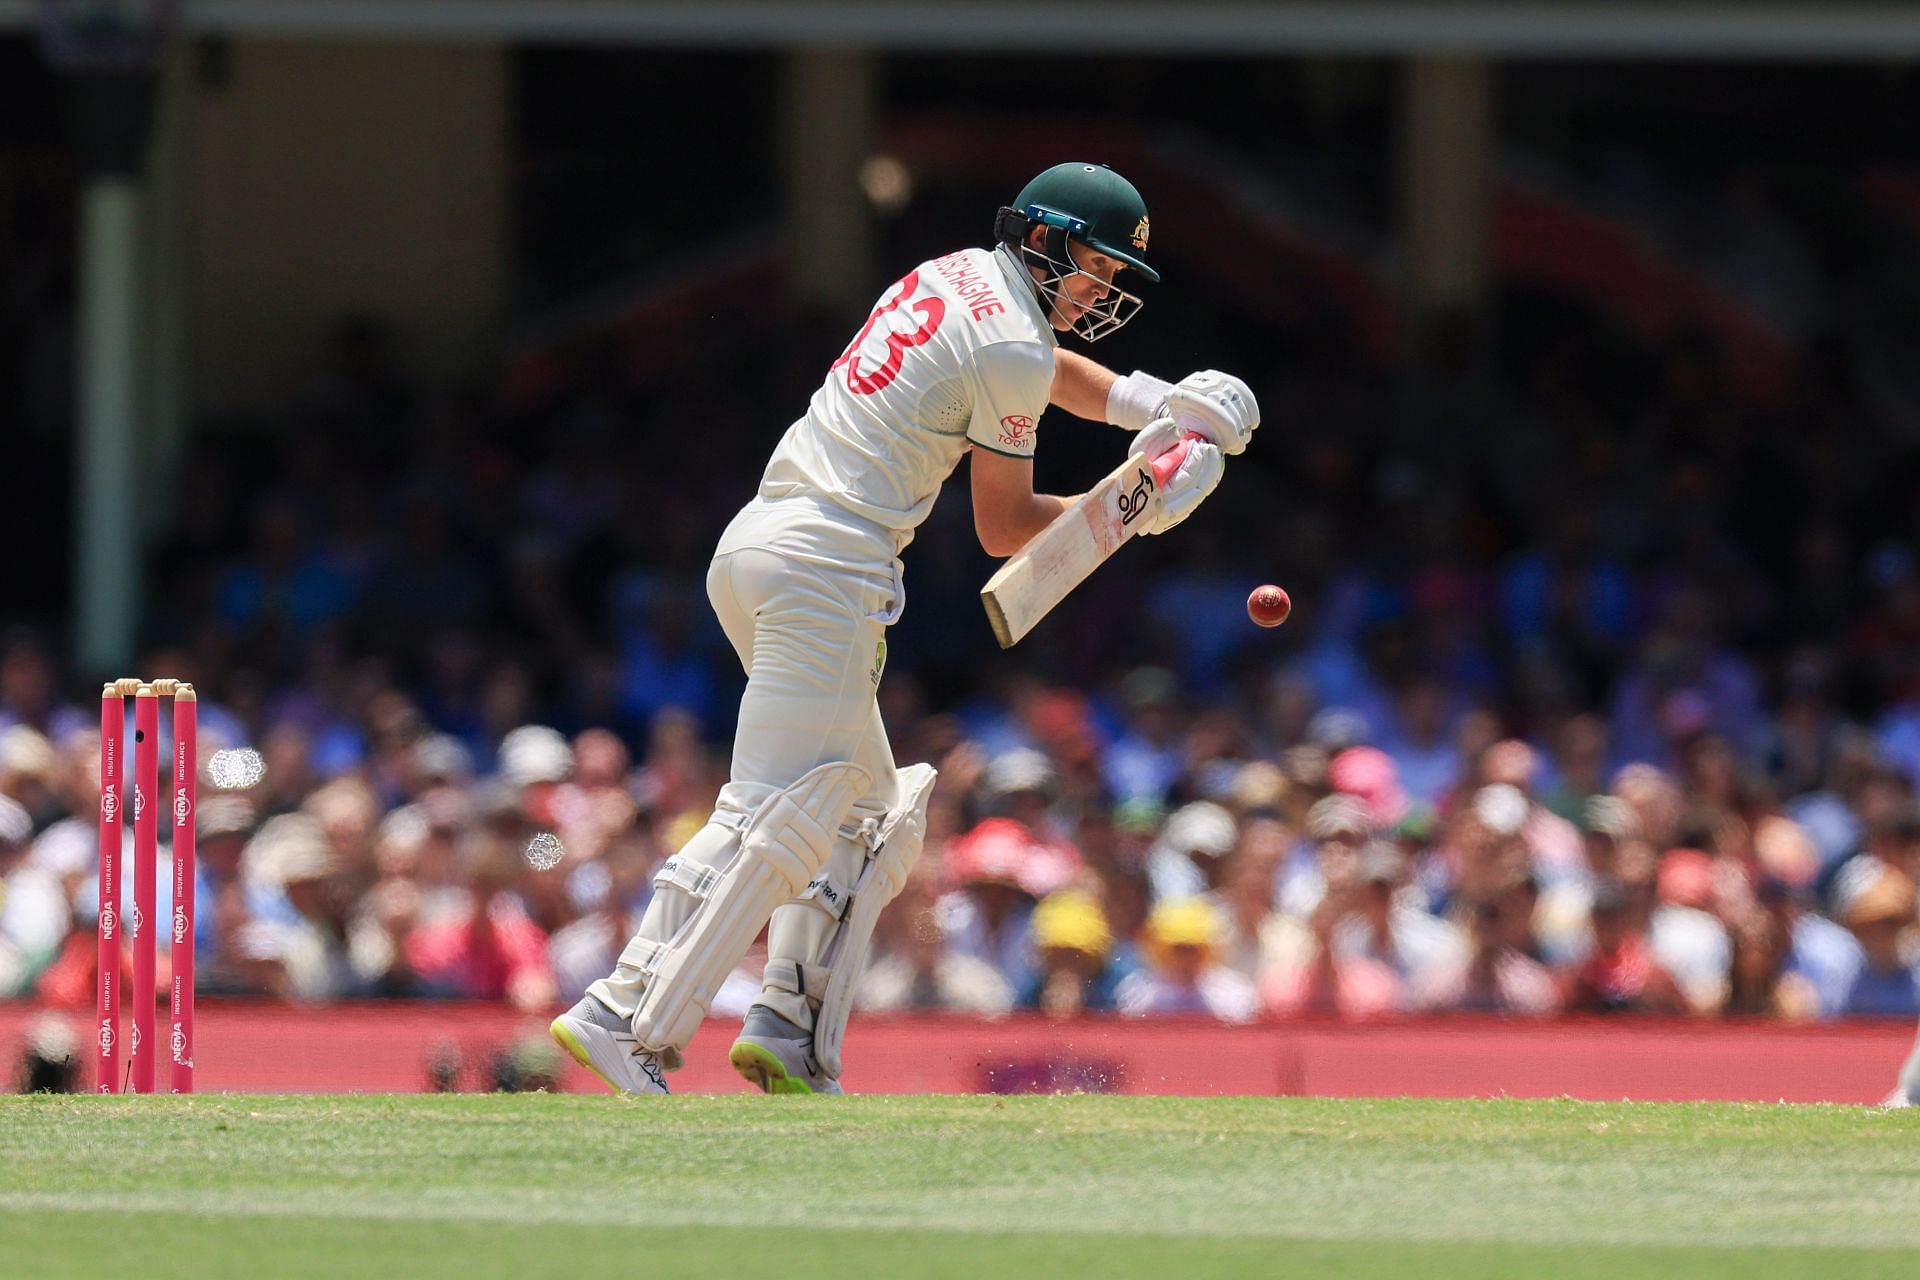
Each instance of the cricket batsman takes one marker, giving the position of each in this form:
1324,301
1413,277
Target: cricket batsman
817,829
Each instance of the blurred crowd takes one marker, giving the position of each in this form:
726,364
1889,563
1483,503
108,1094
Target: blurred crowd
1115,850
1602,690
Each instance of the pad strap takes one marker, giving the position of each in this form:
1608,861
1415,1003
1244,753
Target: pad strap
686,875
808,981
822,893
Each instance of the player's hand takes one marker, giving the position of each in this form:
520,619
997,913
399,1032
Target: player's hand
1156,438
1197,475
1216,405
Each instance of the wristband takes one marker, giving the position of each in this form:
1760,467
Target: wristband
1135,400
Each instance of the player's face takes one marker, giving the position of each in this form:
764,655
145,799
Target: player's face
1090,284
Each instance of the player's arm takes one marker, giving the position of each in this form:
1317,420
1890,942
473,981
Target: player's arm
1012,383
1216,405
1088,389
1082,386
1006,510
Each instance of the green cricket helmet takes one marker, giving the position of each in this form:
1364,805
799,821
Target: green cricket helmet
1096,206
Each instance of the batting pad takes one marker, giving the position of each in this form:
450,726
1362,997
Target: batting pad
845,955
782,847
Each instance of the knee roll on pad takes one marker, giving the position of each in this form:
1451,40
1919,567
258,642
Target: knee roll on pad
782,846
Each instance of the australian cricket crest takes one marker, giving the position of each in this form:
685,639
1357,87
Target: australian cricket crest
1140,234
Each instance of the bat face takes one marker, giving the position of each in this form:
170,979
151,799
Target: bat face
1060,556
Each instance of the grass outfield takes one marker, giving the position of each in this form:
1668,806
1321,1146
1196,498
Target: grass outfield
535,1185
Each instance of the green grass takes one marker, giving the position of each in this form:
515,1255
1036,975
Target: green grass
537,1185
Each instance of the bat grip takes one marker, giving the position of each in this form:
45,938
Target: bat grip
1169,462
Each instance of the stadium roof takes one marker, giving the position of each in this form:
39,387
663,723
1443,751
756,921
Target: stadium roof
1806,29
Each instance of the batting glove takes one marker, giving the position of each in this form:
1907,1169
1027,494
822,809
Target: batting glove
1216,405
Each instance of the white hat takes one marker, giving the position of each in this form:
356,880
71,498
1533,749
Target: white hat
26,750
68,847
16,825
290,847
1502,807
534,753
441,755
1022,769
1201,827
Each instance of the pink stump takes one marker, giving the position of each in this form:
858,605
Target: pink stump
146,857
113,732
186,756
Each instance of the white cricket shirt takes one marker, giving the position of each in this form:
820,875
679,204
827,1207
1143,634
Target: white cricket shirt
956,354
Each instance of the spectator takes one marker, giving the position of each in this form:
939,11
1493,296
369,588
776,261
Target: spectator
1022,786
1246,896
30,689
1193,852
1363,950
490,951
294,947
28,767
1146,759
1609,826
1821,953
1761,982
1491,976
33,907
288,588
1126,901
1072,943
1893,839
1426,758
1337,826
1183,973
612,892
986,915
1685,932
1552,843
1880,912
1367,774
913,968
1620,973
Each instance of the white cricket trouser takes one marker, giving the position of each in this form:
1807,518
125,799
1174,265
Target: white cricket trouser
811,638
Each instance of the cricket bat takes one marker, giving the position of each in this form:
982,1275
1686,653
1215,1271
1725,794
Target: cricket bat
1057,559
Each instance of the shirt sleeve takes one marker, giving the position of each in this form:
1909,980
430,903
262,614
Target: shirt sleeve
1014,381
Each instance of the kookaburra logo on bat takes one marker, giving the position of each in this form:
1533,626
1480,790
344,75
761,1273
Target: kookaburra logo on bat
1134,501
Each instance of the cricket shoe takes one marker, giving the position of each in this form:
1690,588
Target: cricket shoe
601,1041
1899,1098
777,1056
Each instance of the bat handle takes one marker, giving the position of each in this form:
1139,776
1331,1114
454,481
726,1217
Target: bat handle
1169,462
